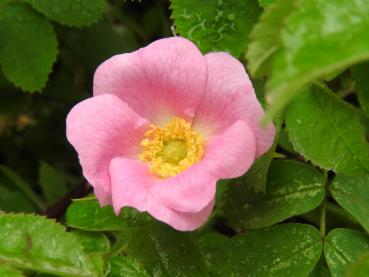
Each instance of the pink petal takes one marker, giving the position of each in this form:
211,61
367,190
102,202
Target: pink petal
101,128
233,152
165,79
179,220
131,184
189,191
230,97
227,155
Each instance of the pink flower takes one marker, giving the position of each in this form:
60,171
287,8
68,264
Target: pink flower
164,124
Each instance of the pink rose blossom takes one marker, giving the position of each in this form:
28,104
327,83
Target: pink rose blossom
164,124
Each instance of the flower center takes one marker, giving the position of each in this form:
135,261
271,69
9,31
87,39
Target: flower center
172,148
175,151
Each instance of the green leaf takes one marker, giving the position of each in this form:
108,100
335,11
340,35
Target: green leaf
100,264
92,242
284,142
52,182
4,83
343,247
256,177
265,3
12,198
319,37
359,268
86,214
126,266
28,46
320,270
265,36
166,252
216,25
7,271
38,244
352,193
222,186
336,217
327,131
70,12
22,185
210,243
293,188
14,201
360,74
282,250
212,240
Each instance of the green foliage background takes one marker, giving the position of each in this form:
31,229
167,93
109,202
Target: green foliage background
301,210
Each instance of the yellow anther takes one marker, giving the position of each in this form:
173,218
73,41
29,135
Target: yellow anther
145,142
149,133
172,148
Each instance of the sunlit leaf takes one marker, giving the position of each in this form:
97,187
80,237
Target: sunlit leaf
38,244
216,25
343,247
9,271
264,37
92,242
319,37
86,214
327,131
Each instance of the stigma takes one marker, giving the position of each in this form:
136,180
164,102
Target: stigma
172,148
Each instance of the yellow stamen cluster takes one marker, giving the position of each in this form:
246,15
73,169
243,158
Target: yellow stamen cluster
172,148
